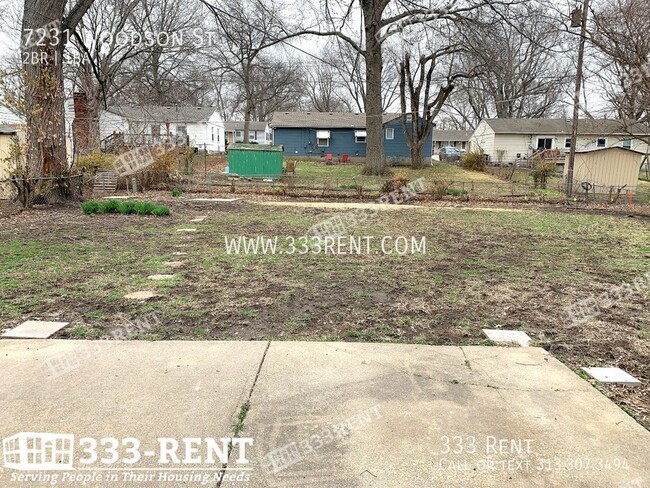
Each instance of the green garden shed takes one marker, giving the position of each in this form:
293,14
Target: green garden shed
255,160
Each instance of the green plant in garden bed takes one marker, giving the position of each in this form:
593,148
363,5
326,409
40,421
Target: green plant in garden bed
125,208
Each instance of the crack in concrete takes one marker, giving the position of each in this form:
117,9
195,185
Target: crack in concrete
224,466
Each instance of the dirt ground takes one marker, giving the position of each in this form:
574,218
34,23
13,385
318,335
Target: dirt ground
487,265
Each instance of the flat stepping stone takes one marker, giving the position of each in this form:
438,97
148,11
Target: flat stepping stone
160,277
508,336
141,295
198,219
121,197
185,230
34,329
215,199
179,253
612,375
174,264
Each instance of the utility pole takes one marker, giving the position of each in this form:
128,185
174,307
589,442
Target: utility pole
576,96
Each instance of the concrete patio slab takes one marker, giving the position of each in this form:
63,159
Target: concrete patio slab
122,389
612,375
34,329
322,415
508,336
384,415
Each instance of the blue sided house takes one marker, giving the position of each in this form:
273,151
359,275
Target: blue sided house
337,133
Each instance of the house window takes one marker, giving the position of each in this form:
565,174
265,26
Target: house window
409,118
239,136
212,134
627,144
567,143
360,136
251,136
544,143
390,133
601,142
463,145
322,138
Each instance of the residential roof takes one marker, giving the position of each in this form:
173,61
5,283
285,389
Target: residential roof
601,127
255,147
232,125
452,135
162,114
324,120
8,129
611,148
8,117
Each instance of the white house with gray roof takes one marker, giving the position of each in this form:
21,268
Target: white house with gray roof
509,139
258,132
154,124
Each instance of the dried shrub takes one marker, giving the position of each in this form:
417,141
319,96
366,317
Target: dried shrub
439,188
542,172
96,160
474,161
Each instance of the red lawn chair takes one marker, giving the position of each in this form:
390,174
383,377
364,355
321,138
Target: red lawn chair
344,159
328,159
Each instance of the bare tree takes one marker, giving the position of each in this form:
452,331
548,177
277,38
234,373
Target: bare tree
101,59
620,33
525,71
420,101
171,70
43,76
247,28
325,89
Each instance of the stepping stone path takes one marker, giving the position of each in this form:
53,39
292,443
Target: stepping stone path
141,295
118,197
215,199
508,336
185,230
174,264
178,253
160,277
612,375
198,219
34,329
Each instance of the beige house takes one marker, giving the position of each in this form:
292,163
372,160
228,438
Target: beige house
506,140
606,169
7,132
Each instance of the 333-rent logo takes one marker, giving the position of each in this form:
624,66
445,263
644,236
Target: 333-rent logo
37,451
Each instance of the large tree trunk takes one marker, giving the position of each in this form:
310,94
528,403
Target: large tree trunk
375,160
417,161
44,98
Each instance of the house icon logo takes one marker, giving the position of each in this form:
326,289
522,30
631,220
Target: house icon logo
31,451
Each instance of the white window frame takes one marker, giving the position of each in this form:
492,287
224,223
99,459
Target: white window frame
598,139
626,143
252,135
391,131
239,134
360,139
319,142
567,143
